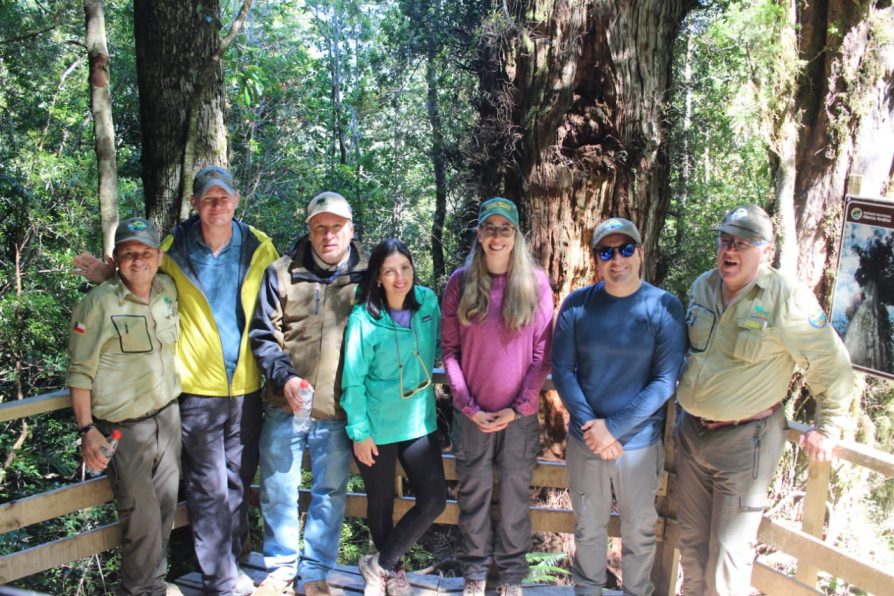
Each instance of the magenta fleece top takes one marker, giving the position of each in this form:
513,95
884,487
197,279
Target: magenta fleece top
490,367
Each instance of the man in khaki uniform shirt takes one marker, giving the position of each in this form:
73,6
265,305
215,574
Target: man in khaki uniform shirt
749,328
122,375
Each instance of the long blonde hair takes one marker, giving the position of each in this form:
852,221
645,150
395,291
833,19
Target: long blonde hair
520,298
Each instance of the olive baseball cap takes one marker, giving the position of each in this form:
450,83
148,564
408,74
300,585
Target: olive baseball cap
329,202
747,221
615,225
139,229
211,176
498,206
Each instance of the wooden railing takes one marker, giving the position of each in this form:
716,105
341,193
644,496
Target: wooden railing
804,544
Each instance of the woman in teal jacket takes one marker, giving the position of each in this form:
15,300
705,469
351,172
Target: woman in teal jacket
387,393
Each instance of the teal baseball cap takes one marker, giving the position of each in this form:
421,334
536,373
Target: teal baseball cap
498,206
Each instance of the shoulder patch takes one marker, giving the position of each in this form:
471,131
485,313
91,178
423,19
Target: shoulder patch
78,327
818,319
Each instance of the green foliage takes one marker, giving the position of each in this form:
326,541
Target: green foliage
545,568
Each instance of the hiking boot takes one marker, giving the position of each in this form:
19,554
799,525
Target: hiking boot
271,586
376,578
473,587
321,586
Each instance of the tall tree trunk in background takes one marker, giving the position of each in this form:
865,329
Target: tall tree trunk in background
181,99
103,125
572,120
439,163
847,124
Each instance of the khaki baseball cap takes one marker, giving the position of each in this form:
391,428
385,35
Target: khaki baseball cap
329,202
139,229
747,221
615,225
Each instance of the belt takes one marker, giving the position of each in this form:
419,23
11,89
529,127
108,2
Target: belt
148,415
717,424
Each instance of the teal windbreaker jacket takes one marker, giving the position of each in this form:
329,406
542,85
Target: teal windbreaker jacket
371,381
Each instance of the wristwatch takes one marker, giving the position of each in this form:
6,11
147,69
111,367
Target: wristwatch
85,429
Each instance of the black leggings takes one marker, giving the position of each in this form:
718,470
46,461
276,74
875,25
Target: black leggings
421,458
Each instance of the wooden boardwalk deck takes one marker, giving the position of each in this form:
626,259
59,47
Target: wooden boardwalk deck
347,580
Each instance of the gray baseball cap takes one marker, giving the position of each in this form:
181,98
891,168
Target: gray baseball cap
747,221
211,176
328,202
139,229
615,225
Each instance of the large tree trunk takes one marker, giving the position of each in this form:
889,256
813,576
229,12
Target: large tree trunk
572,120
103,125
572,125
181,99
847,106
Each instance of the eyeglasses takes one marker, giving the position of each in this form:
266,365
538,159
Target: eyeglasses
730,242
404,394
491,231
607,253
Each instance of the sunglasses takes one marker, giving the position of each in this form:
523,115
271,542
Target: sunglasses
607,253
407,394
503,231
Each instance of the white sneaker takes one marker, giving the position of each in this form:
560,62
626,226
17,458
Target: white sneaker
245,585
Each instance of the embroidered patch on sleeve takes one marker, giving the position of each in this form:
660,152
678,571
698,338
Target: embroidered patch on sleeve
818,319
79,328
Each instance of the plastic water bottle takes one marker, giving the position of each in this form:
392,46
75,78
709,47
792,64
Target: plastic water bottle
109,451
301,421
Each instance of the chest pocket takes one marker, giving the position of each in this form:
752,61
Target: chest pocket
133,333
753,344
700,320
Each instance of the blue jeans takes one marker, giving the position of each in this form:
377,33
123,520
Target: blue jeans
282,450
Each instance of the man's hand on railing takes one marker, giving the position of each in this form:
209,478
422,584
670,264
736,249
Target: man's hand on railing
95,270
817,447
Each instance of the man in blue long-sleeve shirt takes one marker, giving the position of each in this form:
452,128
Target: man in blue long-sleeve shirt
617,351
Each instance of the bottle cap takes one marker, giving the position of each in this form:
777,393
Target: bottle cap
116,434
304,384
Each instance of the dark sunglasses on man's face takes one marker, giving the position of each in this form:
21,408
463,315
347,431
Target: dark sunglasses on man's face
607,253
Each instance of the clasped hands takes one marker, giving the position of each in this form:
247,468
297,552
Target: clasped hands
600,441
491,422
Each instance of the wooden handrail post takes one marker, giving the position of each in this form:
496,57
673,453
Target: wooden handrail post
813,515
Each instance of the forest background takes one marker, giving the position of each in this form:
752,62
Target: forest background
664,111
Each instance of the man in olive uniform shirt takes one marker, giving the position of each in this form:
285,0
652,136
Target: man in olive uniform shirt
749,328
122,375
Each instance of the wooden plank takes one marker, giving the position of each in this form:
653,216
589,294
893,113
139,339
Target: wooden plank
830,559
770,581
53,554
31,406
43,506
71,548
813,516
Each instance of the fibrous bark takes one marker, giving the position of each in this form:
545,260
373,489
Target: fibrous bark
572,120
846,103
